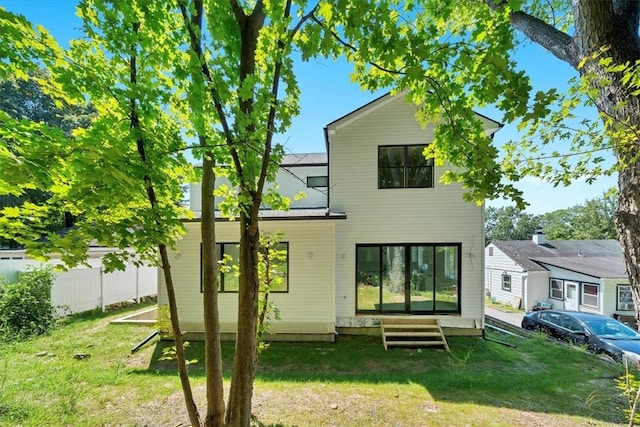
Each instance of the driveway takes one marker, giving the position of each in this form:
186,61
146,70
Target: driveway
512,318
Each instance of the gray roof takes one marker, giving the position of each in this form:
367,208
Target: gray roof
598,258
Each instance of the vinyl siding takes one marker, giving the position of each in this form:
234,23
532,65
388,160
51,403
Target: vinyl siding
497,264
415,215
292,180
311,280
610,296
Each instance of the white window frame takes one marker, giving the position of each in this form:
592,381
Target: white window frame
585,298
506,280
560,289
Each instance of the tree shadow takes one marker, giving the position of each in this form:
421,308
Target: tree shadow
534,375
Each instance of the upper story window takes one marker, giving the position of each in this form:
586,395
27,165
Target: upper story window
317,181
404,166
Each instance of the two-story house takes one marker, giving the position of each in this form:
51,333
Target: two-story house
377,236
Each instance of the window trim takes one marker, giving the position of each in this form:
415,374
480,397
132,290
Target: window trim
560,290
429,163
311,178
220,254
597,295
506,276
627,304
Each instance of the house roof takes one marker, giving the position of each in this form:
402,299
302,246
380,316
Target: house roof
598,258
292,214
604,266
381,101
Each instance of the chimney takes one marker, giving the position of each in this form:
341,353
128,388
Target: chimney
538,237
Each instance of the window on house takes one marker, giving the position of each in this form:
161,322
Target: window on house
408,278
506,282
490,250
590,295
317,181
624,301
228,256
404,166
556,289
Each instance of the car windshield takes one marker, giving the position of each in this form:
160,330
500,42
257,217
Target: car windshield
612,329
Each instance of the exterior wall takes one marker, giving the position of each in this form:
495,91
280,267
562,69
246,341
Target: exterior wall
307,308
563,274
292,180
610,297
414,215
495,266
537,289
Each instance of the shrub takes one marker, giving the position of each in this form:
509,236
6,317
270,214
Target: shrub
25,306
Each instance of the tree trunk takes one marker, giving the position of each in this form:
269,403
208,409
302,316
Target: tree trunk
612,25
213,350
192,410
615,25
245,360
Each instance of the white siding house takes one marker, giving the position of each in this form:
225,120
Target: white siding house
377,235
583,275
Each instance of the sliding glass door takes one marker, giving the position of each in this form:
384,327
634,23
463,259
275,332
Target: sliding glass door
411,278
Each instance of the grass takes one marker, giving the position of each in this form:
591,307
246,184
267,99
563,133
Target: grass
507,308
353,382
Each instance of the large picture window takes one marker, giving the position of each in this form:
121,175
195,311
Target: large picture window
413,278
624,300
590,295
228,255
404,166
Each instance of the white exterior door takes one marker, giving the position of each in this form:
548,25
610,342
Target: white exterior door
570,295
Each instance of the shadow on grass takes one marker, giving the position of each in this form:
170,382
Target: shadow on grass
535,376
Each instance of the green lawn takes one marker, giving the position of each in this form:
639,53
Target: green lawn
353,382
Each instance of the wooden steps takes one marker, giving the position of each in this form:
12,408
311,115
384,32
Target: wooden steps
411,332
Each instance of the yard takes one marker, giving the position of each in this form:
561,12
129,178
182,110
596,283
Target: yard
352,382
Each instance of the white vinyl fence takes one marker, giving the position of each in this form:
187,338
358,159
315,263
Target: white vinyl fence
83,288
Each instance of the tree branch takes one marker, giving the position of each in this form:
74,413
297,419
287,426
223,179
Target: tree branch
558,43
272,112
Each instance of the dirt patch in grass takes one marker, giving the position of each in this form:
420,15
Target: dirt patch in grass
322,405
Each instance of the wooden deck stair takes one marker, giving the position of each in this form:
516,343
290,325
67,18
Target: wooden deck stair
405,332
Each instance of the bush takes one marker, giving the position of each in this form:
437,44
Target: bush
25,306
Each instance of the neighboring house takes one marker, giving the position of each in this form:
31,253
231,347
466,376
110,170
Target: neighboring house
378,235
583,275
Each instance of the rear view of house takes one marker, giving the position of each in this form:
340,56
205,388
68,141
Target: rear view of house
377,236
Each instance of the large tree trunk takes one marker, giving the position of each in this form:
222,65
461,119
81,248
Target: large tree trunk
245,360
213,350
612,25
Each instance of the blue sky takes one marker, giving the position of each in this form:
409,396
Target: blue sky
327,93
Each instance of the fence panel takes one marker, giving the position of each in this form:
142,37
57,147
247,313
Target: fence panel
84,288
77,290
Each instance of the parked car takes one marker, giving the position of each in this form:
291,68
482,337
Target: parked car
600,334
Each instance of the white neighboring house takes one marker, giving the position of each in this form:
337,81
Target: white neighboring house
377,236
583,275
